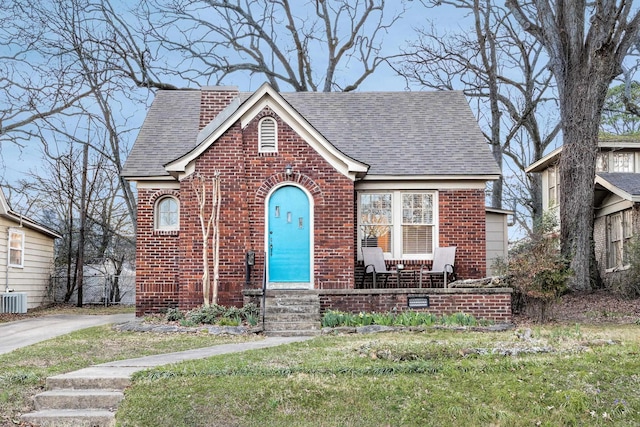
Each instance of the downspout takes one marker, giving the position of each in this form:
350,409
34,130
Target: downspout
6,276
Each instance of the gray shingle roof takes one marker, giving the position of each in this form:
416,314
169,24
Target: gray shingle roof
169,130
627,182
395,133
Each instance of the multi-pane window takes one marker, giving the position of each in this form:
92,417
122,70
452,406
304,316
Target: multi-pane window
167,213
417,223
16,248
376,220
619,233
268,135
622,162
554,186
401,223
602,162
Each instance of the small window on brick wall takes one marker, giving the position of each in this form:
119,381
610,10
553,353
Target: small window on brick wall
268,135
167,214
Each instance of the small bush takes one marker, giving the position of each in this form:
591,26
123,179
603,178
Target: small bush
174,315
537,271
227,321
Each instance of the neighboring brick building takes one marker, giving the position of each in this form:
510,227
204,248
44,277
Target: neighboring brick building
306,180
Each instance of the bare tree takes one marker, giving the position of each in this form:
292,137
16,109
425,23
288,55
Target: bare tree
309,46
506,73
209,197
586,43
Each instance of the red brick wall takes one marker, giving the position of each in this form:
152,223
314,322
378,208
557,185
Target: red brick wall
213,101
157,254
247,177
490,304
463,224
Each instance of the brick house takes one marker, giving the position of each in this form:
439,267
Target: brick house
306,180
616,200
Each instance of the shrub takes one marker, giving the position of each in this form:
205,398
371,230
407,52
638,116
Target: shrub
174,315
537,271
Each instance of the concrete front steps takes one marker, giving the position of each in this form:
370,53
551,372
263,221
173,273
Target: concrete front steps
291,313
78,402
90,396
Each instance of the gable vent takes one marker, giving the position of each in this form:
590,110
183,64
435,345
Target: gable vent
268,136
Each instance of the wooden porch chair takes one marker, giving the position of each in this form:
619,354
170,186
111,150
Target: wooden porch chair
374,265
444,261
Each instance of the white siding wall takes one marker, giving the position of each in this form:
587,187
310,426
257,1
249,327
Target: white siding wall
33,278
497,239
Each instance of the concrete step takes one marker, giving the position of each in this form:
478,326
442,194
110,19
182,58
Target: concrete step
292,333
78,399
293,326
288,301
92,378
302,309
286,317
71,418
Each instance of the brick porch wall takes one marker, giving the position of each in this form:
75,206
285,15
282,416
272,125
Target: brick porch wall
489,304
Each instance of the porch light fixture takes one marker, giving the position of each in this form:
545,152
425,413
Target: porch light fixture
288,170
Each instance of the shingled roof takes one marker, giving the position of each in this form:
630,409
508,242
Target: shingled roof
395,133
625,184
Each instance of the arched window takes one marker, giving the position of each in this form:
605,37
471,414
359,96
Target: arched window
268,135
167,213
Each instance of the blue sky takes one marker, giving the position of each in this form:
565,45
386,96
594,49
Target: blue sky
15,162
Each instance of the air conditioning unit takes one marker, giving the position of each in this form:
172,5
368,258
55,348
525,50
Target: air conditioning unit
13,302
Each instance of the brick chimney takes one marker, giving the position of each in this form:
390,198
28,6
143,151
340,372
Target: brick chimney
213,99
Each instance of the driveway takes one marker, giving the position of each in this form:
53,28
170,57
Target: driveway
22,333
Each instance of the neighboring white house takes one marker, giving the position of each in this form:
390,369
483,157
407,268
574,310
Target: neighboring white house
616,199
26,256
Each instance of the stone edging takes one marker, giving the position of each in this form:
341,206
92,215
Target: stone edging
140,326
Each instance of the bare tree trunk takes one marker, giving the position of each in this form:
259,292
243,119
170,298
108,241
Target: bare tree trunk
83,221
586,44
199,185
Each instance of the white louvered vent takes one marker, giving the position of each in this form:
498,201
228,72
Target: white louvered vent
268,139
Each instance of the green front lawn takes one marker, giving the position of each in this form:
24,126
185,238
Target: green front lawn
558,376
23,372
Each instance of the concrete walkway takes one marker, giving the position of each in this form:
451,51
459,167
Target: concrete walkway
90,396
32,330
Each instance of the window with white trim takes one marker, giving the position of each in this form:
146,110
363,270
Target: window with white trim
619,234
16,248
602,162
402,223
268,135
553,187
167,213
623,162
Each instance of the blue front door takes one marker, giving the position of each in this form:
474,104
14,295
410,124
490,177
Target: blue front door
288,238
